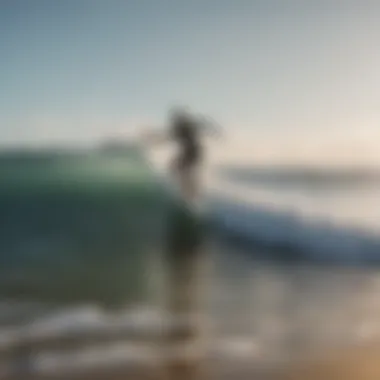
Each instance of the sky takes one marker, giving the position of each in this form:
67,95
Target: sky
83,69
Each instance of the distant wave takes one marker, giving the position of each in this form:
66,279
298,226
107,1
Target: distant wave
292,235
283,177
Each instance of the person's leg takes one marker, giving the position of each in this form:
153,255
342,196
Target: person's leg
183,286
189,181
188,184
184,175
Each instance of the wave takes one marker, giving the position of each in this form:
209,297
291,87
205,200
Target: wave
291,234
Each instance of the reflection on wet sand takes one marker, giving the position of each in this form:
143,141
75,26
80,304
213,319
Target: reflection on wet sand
296,309
354,363
267,314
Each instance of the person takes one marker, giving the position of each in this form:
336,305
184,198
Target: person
187,132
184,252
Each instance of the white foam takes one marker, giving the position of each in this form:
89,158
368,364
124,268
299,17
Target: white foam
261,217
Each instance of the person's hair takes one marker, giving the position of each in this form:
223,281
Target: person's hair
179,113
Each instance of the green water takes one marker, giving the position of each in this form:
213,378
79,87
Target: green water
78,225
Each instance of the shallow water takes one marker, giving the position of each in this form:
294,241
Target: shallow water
262,304
260,309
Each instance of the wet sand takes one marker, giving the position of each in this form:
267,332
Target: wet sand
351,363
355,363
245,293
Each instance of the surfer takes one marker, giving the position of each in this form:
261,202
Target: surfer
187,131
185,234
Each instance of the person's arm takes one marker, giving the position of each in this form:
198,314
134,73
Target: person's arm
210,127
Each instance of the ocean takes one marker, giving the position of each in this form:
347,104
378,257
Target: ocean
293,265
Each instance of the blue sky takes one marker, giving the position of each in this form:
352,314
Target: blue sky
84,68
